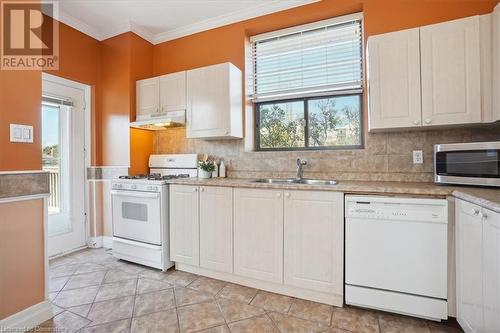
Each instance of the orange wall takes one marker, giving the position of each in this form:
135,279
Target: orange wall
227,43
21,256
141,67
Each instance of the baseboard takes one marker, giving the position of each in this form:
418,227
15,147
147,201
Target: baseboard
100,241
94,242
107,242
26,319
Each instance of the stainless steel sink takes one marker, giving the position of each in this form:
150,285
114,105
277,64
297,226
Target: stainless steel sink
317,182
296,181
275,180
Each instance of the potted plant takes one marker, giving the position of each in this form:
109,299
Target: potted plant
205,169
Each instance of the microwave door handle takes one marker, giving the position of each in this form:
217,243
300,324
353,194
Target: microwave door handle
135,194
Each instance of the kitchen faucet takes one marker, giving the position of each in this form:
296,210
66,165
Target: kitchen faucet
300,167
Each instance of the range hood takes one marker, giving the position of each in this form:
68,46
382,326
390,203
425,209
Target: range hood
160,121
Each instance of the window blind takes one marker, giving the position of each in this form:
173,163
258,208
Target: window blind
56,100
316,59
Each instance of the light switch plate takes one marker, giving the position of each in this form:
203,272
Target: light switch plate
21,133
418,157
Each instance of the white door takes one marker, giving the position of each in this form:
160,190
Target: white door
216,228
314,240
394,79
147,96
137,215
208,101
173,92
64,157
184,224
469,244
451,72
491,276
258,234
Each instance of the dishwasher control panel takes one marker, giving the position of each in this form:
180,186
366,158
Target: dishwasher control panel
396,208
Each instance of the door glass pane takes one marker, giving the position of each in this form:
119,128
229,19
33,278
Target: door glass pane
54,160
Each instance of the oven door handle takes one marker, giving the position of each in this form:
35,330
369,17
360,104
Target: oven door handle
135,194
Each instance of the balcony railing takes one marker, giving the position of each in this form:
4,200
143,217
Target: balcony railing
55,188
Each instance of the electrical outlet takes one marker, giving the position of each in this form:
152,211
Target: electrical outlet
418,157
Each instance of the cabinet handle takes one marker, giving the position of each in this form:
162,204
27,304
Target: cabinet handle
202,189
475,211
484,215
195,190
416,122
428,121
278,195
287,195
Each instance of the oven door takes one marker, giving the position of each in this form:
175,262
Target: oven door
137,216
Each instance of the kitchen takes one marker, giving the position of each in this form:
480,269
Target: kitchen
365,163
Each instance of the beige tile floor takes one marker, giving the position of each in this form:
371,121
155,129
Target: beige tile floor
91,291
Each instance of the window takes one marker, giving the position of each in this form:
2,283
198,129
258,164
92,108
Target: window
307,86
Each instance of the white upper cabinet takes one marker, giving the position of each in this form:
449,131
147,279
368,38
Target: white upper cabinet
314,240
214,102
147,96
184,224
451,72
216,228
394,79
161,94
173,92
258,234
496,63
435,75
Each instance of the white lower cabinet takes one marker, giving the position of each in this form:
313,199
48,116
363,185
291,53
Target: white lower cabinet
313,240
216,228
290,242
478,268
184,224
258,234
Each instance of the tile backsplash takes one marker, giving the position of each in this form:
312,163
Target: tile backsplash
386,156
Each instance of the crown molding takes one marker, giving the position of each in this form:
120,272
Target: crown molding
79,25
222,20
215,22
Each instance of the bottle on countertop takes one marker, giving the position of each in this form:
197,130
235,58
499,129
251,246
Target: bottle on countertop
215,173
222,170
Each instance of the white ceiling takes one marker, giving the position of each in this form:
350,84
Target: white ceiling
162,20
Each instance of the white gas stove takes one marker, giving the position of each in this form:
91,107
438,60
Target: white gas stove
140,210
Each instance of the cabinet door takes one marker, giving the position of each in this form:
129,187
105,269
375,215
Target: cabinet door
394,79
496,62
469,243
491,276
216,228
173,92
258,234
184,226
208,102
314,241
147,93
451,72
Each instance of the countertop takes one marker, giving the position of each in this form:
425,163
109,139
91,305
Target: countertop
485,197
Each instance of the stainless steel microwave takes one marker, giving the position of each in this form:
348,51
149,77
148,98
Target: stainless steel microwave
476,163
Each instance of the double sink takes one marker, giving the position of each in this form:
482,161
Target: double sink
303,181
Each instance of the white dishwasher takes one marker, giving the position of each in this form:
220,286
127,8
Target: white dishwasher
396,254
